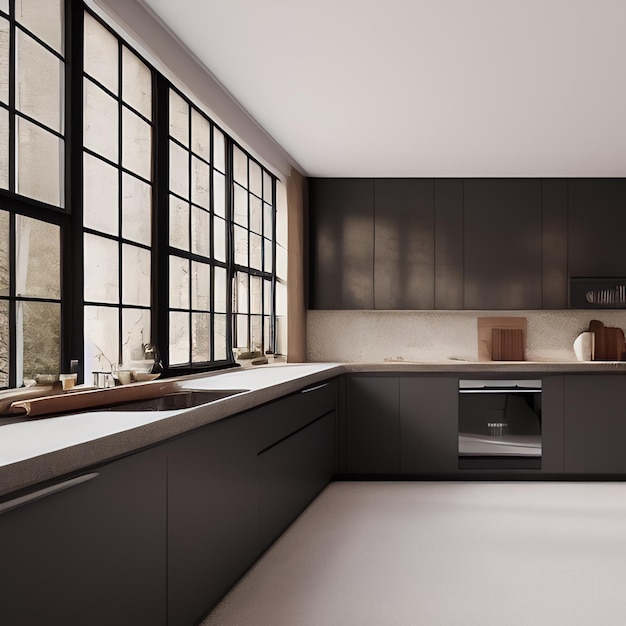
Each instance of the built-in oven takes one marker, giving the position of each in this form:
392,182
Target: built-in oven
499,424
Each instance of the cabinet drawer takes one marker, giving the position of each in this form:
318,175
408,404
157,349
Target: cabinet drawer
284,417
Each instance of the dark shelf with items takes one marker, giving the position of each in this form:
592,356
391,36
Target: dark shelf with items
597,293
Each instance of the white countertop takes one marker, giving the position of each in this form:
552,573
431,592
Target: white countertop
32,451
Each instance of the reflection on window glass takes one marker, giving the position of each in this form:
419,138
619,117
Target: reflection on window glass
39,163
4,149
200,286
179,338
179,283
219,338
41,337
101,339
268,256
4,60
179,223
44,18
136,144
256,337
219,239
136,210
201,337
136,83
101,54
135,333
200,232
100,122
179,118
38,92
256,251
241,293
4,343
38,258
256,294
100,195
101,273
241,246
135,275
179,170
241,336
221,296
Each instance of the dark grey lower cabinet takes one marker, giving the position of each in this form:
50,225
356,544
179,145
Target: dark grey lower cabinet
595,424
372,425
429,409
90,550
292,472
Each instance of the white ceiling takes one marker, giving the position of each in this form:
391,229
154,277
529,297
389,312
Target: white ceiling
423,87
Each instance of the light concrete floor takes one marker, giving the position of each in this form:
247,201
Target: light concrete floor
443,553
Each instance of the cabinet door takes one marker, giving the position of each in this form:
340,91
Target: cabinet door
342,243
429,425
595,424
503,243
372,425
292,472
404,243
212,509
93,552
597,223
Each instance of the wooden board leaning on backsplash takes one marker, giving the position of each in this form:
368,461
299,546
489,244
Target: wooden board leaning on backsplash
485,326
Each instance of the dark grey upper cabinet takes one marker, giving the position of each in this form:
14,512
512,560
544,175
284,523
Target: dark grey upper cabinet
404,243
448,243
597,223
342,243
554,231
503,244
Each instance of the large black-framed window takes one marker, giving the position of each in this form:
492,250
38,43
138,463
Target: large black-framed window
127,215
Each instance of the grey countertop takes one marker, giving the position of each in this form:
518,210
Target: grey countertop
33,451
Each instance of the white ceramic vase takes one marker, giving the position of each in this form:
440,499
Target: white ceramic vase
584,346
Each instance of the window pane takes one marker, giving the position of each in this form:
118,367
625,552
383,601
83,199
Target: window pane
241,293
220,290
200,232
256,250
219,337
241,246
268,256
179,223
136,210
281,263
179,118
100,122
281,299
39,163
136,83
101,273
200,286
267,296
4,148
281,335
4,60
135,333
241,206
256,179
281,214
256,329
101,339
240,167
4,5
4,256
267,340
241,336
38,91
268,221
267,187
135,275
44,18
219,239
37,258
136,144
101,54
200,135
219,194
219,150
100,194
256,215
41,337
4,344
179,338
200,344
179,170
179,283
256,294
200,182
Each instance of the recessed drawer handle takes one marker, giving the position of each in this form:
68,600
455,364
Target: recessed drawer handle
315,388
44,493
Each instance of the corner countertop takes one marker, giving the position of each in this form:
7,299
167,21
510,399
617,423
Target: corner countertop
37,450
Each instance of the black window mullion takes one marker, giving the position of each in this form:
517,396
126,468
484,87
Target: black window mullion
12,88
120,146
12,312
273,329
189,194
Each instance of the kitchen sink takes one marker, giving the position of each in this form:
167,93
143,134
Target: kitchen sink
172,401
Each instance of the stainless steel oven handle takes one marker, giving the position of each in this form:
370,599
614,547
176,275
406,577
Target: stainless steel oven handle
499,390
15,503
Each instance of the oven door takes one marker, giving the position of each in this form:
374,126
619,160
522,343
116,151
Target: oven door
500,424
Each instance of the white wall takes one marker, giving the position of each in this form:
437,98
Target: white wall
370,336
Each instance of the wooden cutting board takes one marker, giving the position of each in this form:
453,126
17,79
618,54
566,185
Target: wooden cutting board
609,342
485,326
507,344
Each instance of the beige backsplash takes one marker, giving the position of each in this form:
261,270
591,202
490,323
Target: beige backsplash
364,336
